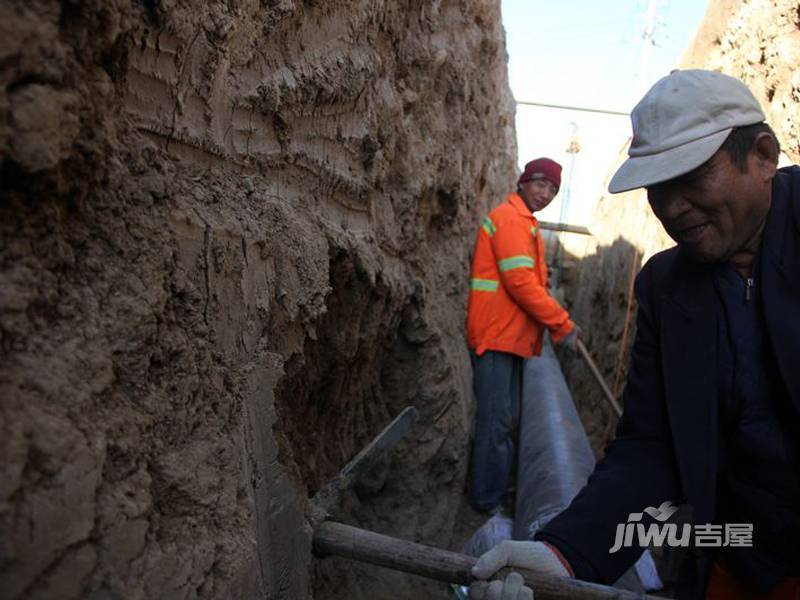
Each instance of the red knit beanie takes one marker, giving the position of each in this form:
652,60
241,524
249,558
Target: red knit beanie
542,168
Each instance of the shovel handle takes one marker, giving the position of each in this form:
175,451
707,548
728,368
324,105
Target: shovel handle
338,539
599,377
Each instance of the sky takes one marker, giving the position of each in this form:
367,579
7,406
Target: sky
593,54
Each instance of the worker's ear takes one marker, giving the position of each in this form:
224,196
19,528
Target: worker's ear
763,157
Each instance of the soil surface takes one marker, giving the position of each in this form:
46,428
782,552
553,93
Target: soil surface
235,241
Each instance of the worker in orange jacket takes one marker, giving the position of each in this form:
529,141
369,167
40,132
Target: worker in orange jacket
508,310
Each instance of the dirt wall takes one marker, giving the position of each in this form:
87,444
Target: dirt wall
757,41
234,245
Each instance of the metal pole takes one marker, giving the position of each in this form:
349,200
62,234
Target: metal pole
550,226
573,148
578,108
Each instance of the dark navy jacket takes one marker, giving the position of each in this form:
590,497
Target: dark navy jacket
667,442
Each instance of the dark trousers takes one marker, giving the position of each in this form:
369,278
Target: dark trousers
497,381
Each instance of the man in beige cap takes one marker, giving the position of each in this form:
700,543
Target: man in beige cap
712,401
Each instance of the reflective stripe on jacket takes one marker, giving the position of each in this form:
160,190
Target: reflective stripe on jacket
509,306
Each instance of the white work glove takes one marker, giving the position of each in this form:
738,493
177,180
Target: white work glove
510,588
535,556
570,341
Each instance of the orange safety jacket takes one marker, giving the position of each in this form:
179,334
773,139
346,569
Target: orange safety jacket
509,306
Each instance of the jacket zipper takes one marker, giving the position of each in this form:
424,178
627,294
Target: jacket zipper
749,283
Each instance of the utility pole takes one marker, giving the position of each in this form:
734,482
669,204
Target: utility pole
573,149
648,41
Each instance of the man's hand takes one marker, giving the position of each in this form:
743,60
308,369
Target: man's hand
510,588
535,556
570,341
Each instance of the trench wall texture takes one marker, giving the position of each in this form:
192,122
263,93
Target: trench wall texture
235,242
757,41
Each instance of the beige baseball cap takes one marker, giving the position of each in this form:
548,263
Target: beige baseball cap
680,123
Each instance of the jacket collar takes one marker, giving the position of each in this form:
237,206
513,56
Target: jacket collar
780,278
688,343
779,248
517,202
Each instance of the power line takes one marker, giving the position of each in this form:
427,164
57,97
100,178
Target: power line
580,108
523,30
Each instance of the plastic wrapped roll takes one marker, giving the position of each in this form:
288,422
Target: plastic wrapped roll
555,459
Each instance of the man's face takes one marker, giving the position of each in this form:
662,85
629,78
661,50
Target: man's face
715,211
537,193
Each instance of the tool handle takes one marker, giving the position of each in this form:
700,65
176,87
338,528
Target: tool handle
599,377
338,539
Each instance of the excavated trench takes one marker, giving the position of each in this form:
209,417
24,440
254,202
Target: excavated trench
235,243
